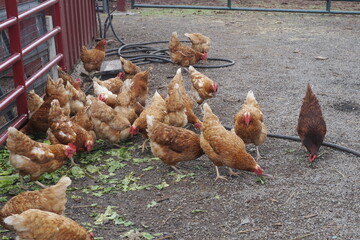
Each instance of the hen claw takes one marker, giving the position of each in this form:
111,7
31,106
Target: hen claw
218,176
232,173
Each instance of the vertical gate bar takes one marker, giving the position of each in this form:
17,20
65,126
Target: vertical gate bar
132,3
328,5
229,4
82,25
87,19
59,37
71,16
93,19
78,29
15,47
87,23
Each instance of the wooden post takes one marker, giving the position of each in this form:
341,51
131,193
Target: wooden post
52,49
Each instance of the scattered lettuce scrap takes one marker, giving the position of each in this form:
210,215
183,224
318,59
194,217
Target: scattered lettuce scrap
111,215
260,180
161,185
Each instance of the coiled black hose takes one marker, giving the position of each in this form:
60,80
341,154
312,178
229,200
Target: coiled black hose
149,54
152,54
297,139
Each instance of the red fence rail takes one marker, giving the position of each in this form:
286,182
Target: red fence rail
74,25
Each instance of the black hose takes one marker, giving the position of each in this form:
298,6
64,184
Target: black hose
112,27
152,54
297,139
157,55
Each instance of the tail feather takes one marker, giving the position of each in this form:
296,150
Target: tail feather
19,162
192,69
16,221
250,95
65,181
156,94
59,189
250,99
12,131
207,109
309,92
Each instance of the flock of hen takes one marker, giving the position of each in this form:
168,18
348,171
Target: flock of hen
73,121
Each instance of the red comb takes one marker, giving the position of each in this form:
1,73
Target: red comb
72,146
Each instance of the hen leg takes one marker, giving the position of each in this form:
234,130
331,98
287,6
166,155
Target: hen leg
143,146
232,173
257,153
22,186
218,176
40,184
176,169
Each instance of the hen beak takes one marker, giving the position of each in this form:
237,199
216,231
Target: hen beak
312,158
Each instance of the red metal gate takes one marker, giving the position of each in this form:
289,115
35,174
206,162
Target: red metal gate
74,25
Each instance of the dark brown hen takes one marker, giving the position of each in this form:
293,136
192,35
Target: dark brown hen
311,124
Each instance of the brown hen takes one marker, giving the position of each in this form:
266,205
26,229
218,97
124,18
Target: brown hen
191,117
34,101
39,120
182,54
224,147
108,124
37,224
199,42
62,130
93,58
248,123
51,199
157,109
140,87
172,144
129,69
202,87
311,124
34,158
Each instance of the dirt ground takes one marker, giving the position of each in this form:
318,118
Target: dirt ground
276,55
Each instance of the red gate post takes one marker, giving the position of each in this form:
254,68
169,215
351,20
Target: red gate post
15,47
121,5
